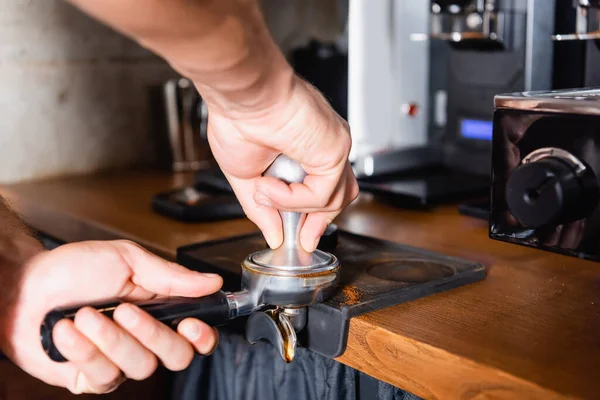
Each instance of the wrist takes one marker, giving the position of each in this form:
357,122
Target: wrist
251,91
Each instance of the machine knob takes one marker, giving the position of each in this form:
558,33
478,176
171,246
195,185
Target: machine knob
545,192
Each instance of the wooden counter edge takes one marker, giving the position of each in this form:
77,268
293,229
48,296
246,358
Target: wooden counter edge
400,359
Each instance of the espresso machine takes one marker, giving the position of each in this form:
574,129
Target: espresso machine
476,49
587,21
578,43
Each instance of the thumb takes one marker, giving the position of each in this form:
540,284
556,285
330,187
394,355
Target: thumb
165,278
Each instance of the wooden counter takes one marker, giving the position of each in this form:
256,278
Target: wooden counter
529,331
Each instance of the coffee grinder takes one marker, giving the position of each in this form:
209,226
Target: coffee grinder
477,48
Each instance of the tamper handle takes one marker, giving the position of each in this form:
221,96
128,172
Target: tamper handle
289,171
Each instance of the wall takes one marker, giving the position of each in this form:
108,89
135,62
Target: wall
74,94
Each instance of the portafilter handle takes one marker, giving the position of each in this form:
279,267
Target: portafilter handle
289,171
215,310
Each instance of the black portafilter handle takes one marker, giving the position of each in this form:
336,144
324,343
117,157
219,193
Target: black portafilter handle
214,310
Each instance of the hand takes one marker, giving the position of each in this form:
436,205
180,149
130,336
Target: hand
103,352
304,127
258,108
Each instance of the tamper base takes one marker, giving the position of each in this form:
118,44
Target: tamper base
283,257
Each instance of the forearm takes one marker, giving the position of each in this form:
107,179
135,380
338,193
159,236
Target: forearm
17,243
17,246
222,45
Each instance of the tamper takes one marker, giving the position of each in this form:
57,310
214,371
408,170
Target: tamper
296,278
277,287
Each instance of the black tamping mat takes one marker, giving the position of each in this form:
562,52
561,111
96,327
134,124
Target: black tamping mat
375,274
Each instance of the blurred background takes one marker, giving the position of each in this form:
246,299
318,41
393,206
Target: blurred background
77,97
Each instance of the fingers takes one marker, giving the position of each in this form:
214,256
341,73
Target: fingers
317,222
97,373
107,352
266,218
200,335
315,193
122,349
318,193
172,349
162,277
300,198
314,227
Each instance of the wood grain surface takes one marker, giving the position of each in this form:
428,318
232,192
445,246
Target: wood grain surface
529,331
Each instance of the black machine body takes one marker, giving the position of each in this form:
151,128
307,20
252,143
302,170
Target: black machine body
545,169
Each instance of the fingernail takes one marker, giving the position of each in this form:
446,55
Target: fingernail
191,330
64,336
128,315
315,244
307,245
210,276
262,199
214,346
273,241
89,317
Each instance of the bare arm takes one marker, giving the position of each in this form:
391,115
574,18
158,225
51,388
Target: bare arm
17,245
258,107
222,45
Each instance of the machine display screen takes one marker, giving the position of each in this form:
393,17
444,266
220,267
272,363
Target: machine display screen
476,129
